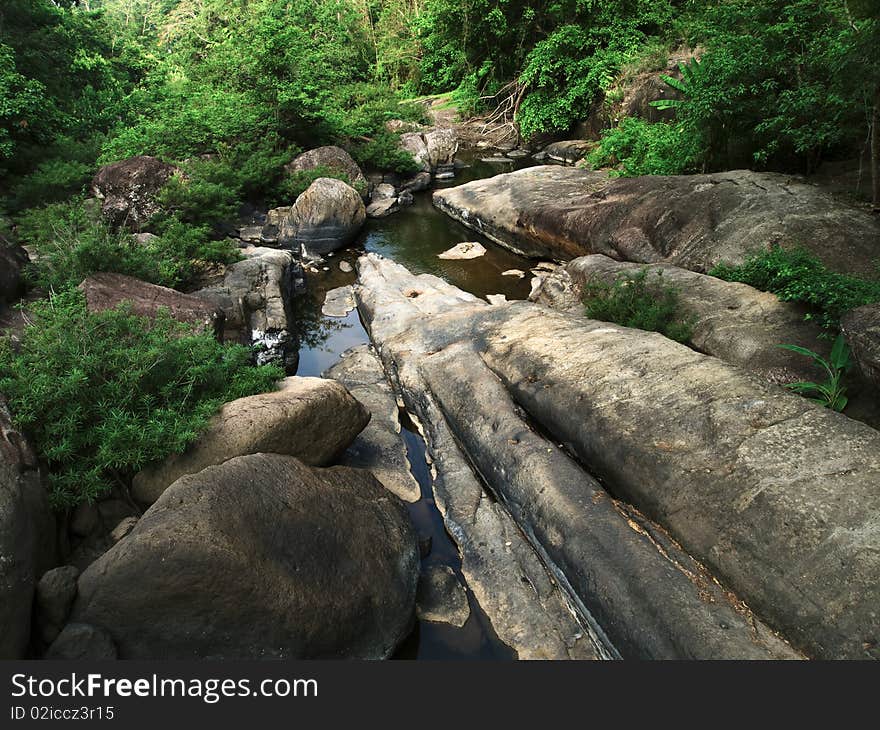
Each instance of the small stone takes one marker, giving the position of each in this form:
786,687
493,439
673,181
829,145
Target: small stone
514,272
345,267
84,520
462,251
339,302
55,594
496,299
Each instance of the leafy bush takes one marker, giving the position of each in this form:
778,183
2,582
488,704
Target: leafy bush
634,301
638,147
102,395
297,182
71,241
796,275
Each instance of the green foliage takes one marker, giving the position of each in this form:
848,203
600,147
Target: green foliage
832,392
638,147
297,182
634,301
692,75
796,275
103,395
71,241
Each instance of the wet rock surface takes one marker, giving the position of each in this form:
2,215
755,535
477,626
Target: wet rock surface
259,557
441,598
692,221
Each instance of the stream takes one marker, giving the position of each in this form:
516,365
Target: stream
414,237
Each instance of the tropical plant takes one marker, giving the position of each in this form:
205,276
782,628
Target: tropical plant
832,392
691,75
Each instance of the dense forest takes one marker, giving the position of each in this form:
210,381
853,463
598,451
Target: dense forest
780,84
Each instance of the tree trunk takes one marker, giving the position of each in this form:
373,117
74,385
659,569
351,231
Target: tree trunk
875,152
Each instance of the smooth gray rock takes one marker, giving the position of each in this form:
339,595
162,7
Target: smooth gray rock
692,221
734,322
338,302
568,151
441,598
382,208
83,642
324,218
332,157
260,557
649,600
310,418
379,448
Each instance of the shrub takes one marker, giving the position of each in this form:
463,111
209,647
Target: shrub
796,275
102,395
830,393
634,301
72,241
300,180
638,147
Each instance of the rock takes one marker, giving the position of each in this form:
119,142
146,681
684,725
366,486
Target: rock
497,160
414,144
251,234
383,191
405,198
145,239
326,217
310,418
123,529
514,272
441,145
345,267
27,536
338,302
84,520
496,299
418,182
106,291
398,126
334,158
13,259
465,250
379,448
524,603
569,151
260,557
55,594
518,153
128,190
861,328
772,493
382,208
254,298
441,598
692,221
82,642
731,321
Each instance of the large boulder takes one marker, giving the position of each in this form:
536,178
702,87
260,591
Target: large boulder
692,221
774,494
12,260
441,145
568,151
310,418
644,596
861,327
330,158
732,321
106,291
128,190
254,297
260,557
27,537
324,218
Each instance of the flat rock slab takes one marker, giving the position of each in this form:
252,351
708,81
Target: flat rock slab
640,596
463,251
339,302
379,448
861,327
568,151
692,221
772,493
441,598
732,321
106,291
